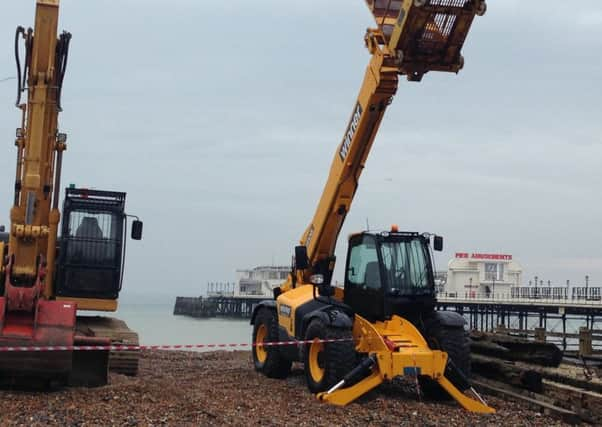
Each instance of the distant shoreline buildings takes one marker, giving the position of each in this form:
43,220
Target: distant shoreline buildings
469,275
475,273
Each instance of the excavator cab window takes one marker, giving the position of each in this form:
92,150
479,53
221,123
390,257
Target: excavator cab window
91,246
92,237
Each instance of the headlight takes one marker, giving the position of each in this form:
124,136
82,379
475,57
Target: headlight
316,279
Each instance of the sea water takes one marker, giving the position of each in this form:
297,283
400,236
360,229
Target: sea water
156,325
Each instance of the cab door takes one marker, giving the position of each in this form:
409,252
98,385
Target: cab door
364,290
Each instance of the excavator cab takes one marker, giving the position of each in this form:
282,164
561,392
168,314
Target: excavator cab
92,244
389,273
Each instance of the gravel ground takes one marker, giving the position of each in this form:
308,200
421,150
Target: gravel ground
221,388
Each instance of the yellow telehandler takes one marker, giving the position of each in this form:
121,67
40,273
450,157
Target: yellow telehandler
383,324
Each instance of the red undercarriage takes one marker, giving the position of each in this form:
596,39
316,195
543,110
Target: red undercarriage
52,324
26,320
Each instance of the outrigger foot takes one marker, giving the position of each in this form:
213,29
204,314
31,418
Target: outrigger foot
476,404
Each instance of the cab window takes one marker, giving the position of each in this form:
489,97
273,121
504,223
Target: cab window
363,269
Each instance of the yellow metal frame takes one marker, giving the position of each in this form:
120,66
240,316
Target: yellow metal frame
405,352
399,349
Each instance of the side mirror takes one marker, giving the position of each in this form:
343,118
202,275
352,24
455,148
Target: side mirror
137,230
301,261
2,229
438,243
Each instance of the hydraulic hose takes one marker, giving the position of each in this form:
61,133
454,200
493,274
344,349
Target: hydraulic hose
20,77
62,56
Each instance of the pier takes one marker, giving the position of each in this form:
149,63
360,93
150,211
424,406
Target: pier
545,314
216,306
568,318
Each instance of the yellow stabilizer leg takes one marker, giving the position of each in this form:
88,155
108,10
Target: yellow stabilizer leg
344,396
466,402
410,355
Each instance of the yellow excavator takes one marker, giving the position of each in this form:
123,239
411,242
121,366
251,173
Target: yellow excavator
46,280
383,323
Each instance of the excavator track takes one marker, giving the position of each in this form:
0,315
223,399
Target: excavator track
123,361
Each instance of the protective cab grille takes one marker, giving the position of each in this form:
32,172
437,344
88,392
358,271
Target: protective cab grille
427,37
91,244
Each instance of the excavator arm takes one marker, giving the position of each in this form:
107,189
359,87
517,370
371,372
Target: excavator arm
28,315
40,296
35,215
412,37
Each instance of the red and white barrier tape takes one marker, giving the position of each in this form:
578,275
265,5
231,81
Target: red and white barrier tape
13,349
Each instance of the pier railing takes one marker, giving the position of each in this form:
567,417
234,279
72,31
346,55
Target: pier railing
591,299
540,316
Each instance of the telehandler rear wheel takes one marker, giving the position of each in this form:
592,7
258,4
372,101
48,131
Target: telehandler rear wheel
456,343
327,363
268,359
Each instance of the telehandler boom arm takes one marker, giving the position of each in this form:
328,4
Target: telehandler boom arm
412,37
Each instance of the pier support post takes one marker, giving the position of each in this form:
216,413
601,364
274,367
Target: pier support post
563,330
585,342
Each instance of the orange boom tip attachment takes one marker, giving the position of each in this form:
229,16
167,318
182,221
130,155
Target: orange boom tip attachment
425,35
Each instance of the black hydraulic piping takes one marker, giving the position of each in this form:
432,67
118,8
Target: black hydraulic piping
20,77
62,56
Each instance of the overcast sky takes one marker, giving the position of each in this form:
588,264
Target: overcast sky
220,120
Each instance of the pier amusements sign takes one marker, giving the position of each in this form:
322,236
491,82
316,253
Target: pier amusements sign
495,257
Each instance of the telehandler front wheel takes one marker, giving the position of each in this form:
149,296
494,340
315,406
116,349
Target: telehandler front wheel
456,343
326,363
267,359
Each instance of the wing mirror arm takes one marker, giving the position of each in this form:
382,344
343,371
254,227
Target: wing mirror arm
137,227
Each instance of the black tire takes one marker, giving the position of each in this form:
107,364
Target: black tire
456,343
268,360
335,359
